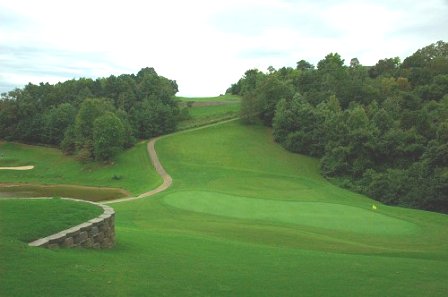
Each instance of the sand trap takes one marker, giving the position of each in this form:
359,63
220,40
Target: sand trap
18,168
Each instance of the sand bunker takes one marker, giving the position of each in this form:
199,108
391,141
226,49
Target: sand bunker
18,168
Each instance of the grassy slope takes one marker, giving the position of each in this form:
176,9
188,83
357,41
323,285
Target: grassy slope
206,112
199,112
28,220
223,98
166,250
52,167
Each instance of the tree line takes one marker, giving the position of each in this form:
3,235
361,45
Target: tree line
93,119
380,130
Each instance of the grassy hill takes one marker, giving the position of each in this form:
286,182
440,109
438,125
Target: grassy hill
243,218
129,174
222,98
27,220
207,110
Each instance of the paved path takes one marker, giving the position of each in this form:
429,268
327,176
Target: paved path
167,180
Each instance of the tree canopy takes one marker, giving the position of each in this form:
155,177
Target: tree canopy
72,114
381,130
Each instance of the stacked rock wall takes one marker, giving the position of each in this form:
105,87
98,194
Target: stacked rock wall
95,233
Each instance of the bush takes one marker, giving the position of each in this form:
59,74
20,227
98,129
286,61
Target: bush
117,177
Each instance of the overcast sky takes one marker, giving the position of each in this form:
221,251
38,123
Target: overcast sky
204,45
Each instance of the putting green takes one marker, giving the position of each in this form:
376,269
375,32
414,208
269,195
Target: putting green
313,214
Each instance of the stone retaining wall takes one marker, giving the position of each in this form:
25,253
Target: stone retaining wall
95,233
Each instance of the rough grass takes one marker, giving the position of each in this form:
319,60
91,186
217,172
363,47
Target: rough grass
222,98
210,110
131,172
78,192
220,244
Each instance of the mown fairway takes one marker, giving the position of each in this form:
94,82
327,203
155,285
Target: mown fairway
243,218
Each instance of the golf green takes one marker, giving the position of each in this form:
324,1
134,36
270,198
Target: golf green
315,214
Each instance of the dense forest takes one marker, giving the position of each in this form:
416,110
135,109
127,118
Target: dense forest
380,130
93,119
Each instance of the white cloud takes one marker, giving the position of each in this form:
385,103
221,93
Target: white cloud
204,45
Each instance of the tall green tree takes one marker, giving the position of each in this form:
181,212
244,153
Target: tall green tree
152,118
379,130
88,112
269,93
56,121
108,136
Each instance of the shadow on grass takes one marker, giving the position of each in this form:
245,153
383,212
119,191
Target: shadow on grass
79,192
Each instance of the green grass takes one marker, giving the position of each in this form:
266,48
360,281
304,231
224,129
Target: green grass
210,110
198,112
342,218
52,168
243,218
27,220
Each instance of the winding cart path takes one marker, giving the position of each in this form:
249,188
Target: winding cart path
167,180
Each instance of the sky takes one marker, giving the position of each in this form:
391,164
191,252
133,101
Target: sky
204,45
